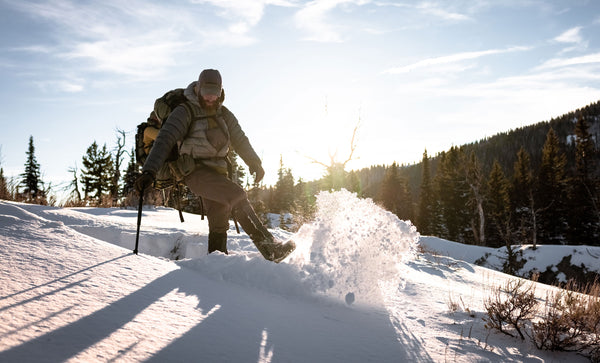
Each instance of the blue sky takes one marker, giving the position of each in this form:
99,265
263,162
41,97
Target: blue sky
299,75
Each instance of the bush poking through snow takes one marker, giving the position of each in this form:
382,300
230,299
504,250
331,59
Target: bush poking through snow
510,307
570,321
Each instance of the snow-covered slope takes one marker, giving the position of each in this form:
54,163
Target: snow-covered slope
356,290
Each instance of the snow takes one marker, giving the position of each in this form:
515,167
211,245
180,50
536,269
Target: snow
362,286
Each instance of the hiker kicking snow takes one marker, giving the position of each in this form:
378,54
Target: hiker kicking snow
204,130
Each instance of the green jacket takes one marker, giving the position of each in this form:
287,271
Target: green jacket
201,138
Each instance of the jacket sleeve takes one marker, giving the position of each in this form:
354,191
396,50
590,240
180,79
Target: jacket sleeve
239,140
173,130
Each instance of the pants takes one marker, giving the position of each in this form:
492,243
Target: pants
220,196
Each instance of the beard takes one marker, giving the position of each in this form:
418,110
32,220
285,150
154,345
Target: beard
210,108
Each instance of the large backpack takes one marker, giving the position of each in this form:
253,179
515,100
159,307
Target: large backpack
144,139
148,130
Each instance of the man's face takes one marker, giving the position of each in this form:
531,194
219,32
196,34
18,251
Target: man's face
210,100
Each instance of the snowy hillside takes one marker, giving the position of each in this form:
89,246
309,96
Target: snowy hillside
356,290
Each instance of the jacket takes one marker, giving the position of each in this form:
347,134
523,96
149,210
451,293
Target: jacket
203,138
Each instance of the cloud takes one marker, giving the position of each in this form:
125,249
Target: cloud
436,10
566,62
61,85
313,19
244,14
453,58
570,36
136,38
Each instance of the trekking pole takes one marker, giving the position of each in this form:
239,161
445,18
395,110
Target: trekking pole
139,223
178,200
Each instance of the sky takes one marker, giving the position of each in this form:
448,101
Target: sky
72,290
300,76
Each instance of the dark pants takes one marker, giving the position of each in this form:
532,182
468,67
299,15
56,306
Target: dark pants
219,194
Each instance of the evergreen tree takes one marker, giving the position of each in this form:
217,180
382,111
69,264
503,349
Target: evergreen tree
96,175
4,193
521,199
453,192
426,218
131,174
475,181
552,191
305,202
353,183
583,216
394,194
237,170
284,189
31,178
498,208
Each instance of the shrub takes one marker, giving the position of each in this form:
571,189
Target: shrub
570,322
510,307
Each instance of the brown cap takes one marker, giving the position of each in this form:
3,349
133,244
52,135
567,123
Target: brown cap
210,82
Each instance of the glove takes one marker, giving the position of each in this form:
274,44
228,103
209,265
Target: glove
258,170
143,181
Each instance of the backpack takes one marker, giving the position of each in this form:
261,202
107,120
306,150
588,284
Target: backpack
145,136
148,130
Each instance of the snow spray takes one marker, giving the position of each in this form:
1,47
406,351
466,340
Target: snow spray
353,249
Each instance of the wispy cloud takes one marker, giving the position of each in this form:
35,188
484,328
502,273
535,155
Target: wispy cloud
453,58
123,38
243,15
437,10
313,19
589,59
570,36
138,39
573,37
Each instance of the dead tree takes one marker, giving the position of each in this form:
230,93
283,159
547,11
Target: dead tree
335,178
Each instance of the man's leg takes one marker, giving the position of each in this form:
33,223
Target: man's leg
224,195
218,224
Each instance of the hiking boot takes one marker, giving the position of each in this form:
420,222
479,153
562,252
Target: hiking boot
274,250
217,241
270,248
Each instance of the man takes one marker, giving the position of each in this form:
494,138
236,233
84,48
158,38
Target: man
204,130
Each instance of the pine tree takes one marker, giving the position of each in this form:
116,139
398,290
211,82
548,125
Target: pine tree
583,215
31,179
237,171
521,200
453,192
498,208
131,174
353,183
96,175
284,189
4,193
305,202
475,181
394,194
426,218
552,191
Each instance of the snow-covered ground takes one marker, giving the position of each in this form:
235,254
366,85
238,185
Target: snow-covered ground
358,289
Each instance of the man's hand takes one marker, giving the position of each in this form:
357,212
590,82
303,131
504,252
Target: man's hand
258,170
143,181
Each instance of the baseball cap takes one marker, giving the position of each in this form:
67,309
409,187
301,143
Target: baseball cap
210,82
